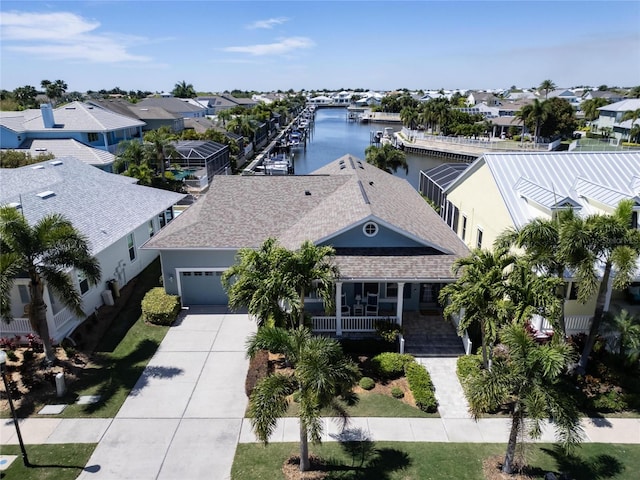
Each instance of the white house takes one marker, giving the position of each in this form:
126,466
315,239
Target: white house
611,117
114,213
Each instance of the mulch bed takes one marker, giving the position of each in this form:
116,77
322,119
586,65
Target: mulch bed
291,469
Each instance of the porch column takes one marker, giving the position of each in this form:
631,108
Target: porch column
338,309
400,302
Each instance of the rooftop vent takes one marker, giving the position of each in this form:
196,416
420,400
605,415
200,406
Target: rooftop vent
38,167
69,108
307,192
55,163
45,194
15,205
343,166
41,149
371,183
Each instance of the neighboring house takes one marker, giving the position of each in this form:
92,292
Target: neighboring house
518,187
153,117
92,126
611,97
611,117
519,96
72,148
111,211
320,100
486,98
203,154
388,240
177,106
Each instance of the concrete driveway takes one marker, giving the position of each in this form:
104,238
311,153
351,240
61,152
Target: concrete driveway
183,417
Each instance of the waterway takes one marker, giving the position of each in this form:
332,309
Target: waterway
332,136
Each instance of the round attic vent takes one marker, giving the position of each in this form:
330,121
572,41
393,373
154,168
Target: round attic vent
370,229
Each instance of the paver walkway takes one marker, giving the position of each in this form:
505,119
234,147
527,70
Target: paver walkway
185,416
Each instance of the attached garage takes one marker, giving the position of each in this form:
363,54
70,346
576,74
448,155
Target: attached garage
202,288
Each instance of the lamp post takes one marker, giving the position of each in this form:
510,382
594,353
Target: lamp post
3,361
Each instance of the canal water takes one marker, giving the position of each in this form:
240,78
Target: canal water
332,136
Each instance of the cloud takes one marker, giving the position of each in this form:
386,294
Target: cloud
65,36
283,46
268,24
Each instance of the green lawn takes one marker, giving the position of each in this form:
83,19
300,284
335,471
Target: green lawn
120,357
430,461
50,462
374,405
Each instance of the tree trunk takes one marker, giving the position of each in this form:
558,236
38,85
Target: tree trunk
301,314
485,360
597,319
508,466
562,295
304,448
38,316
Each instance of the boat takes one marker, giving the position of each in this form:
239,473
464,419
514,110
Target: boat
279,164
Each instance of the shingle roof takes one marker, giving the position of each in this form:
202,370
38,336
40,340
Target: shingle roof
69,147
133,110
82,117
242,211
604,177
171,104
103,206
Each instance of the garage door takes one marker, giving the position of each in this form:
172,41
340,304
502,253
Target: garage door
202,288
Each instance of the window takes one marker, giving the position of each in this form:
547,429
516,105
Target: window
92,137
463,234
573,293
131,245
23,290
363,288
151,229
370,229
165,217
83,283
479,239
634,219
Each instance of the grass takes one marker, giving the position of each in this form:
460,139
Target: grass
50,462
374,405
431,461
120,356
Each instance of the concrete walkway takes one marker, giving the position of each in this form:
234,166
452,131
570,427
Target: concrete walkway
185,416
451,400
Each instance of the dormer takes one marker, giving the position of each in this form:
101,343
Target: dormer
547,201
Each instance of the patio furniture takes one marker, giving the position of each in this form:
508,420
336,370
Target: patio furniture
344,308
371,307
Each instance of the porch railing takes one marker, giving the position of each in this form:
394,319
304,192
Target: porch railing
18,326
573,324
349,324
63,317
466,341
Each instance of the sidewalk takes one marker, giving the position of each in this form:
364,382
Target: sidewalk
185,416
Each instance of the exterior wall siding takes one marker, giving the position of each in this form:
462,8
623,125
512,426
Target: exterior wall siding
385,237
198,259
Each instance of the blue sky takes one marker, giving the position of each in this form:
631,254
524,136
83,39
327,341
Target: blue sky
269,45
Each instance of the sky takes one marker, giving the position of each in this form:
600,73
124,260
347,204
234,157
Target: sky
314,45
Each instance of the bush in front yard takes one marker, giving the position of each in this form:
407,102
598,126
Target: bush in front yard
160,308
421,387
468,365
366,383
391,365
258,369
396,392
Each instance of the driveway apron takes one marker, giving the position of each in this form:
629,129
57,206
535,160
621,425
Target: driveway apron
183,417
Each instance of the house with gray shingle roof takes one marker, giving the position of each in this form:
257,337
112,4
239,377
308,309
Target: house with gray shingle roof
153,117
388,240
177,106
114,213
90,125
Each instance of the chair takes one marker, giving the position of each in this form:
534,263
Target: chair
371,307
344,308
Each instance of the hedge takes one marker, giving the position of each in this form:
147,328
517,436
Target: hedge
258,369
391,365
421,387
160,308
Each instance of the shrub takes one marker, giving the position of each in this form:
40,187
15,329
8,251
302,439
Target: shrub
611,401
258,369
160,308
35,343
367,383
388,330
391,365
396,392
468,365
11,355
421,387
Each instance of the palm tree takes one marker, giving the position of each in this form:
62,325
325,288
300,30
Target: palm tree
184,90
534,113
310,269
130,152
540,239
386,157
45,252
160,143
480,292
590,107
409,117
547,86
600,241
255,282
320,374
224,115
526,378
54,90
632,115
624,328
